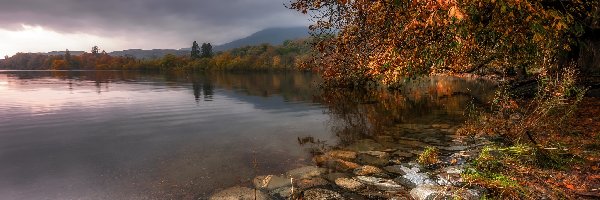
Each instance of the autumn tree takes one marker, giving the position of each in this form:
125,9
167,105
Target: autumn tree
195,50
387,40
206,50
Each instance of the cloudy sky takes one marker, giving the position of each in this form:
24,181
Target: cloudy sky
46,25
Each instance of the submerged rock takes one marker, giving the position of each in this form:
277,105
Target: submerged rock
339,165
349,184
365,145
305,172
239,193
311,182
346,155
270,182
282,193
378,154
321,194
380,183
367,159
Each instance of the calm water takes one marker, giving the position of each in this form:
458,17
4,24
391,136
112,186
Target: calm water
129,135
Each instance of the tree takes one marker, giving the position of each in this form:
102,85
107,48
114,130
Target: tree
387,40
95,50
195,50
206,50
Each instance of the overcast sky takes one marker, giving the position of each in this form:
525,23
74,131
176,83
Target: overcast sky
46,25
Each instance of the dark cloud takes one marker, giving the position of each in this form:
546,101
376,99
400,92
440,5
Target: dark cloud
161,21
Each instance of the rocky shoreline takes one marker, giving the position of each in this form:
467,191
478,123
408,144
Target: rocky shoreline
382,167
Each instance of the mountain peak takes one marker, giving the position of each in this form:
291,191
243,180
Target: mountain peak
273,36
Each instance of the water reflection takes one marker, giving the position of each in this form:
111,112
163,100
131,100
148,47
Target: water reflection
132,135
361,114
136,135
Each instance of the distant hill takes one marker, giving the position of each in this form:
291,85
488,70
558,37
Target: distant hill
273,36
149,54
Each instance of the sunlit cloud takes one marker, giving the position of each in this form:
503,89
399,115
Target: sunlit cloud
39,39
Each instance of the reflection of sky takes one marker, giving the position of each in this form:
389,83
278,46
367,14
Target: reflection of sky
121,140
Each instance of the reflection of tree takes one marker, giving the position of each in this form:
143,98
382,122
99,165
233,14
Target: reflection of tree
358,114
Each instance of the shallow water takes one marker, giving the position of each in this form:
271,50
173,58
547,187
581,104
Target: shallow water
131,135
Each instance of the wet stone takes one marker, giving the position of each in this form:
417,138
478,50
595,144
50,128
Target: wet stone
403,154
429,192
395,169
282,193
367,170
378,154
349,184
331,177
346,155
239,193
311,182
380,183
270,182
367,159
305,172
321,194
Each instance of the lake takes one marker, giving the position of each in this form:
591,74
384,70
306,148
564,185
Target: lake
134,135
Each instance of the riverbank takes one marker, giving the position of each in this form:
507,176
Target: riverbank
385,167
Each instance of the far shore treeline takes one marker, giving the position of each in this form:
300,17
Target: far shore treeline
263,57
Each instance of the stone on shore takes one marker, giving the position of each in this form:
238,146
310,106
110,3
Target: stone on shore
349,184
395,169
321,194
311,182
367,170
367,159
380,183
429,192
305,172
270,182
345,155
239,193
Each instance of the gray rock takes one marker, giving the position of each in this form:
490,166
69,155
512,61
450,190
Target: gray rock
412,178
349,184
282,193
239,193
331,177
453,148
429,192
396,169
271,182
380,183
321,194
305,172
